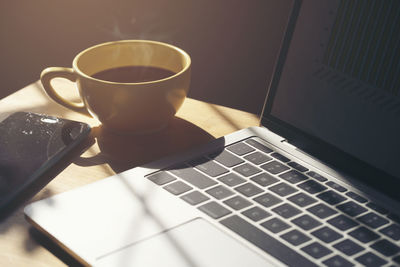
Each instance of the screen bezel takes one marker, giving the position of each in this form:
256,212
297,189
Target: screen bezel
315,146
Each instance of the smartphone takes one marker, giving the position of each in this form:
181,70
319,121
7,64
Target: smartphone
30,145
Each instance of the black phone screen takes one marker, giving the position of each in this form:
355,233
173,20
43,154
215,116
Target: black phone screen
30,144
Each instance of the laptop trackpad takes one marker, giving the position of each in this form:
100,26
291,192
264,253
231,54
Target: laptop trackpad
195,243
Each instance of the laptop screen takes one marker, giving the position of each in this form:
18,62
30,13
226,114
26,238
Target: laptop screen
337,83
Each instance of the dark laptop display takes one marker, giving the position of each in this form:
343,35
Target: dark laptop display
338,92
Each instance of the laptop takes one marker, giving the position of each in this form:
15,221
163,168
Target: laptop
316,184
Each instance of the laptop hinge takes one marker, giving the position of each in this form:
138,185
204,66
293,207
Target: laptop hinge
286,143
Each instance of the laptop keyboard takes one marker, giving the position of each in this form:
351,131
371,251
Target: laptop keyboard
296,215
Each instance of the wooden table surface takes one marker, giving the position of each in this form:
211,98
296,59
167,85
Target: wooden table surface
195,123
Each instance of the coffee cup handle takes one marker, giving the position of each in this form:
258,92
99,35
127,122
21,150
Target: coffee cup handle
59,72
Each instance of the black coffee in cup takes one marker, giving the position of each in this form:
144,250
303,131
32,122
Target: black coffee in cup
133,74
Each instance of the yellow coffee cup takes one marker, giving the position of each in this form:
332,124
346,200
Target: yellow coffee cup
141,105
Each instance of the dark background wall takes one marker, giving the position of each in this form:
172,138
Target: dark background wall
233,43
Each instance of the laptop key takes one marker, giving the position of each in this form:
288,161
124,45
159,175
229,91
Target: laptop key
297,166
267,200
214,210
312,186
256,214
177,188
348,247
342,222
337,261
266,242
386,247
275,225
336,186
326,234
264,179
302,200
237,203
373,220
317,176
392,231
209,167
306,222
351,208
226,158
274,167
377,208
259,146
232,179
331,197
363,234
283,189
295,237
293,176
257,158
246,169
194,197
316,250
194,177
286,210
322,211
248,189
370,260
356,197
220,192
280,157
161,178
240,148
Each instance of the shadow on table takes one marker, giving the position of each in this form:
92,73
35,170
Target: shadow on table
123,152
